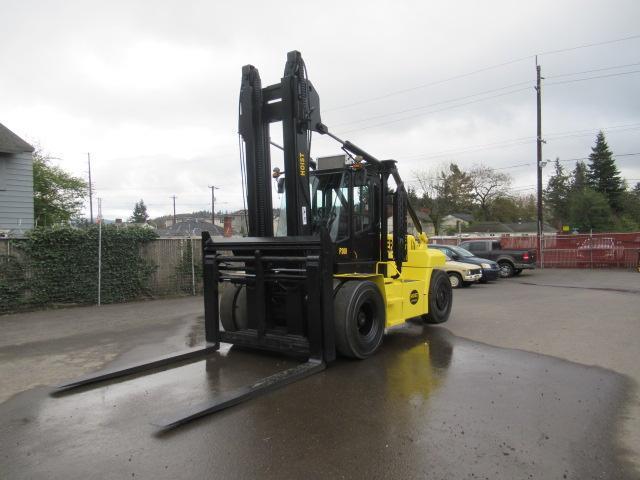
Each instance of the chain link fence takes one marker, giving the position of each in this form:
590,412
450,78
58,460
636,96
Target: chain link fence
175,268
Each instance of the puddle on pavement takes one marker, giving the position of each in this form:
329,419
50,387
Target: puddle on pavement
428,405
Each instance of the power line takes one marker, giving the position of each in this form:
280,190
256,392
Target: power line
523,141
475,72
587,158
589,45
592,71
519,165
590,130
467,103
610,131
434,111
430,84
494,90
591,78
432,104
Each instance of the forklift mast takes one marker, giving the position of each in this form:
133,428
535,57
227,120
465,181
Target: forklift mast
295,102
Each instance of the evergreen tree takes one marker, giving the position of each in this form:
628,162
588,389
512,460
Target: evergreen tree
604,176
139,213
588,210
579,179
521,208
454,189
556,195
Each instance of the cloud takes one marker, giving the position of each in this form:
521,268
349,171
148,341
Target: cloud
151,87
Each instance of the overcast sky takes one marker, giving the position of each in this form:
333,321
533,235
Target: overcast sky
151,88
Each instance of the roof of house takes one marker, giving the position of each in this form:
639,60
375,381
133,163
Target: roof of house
499,227
467,217
488,227
190,227
11,143
530,227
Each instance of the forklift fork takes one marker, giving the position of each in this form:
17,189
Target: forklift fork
256,263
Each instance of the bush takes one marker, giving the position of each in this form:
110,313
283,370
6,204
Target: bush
64,264
12,283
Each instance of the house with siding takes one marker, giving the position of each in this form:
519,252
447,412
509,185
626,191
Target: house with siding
16,184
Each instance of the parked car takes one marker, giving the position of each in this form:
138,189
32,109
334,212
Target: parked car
462,274
490,269
510,261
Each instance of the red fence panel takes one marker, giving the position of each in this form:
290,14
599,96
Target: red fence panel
598,250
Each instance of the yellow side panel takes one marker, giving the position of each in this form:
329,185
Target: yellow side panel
415,298
406,296
394,300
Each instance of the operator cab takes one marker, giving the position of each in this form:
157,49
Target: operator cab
346,200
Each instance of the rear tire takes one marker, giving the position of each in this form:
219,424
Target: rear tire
440,298
506,269
359,318
233,308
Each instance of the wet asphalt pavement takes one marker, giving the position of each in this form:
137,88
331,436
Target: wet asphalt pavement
428,405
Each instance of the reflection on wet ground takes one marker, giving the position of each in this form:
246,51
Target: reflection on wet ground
428,405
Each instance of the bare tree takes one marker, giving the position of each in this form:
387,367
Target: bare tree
487,185
445,190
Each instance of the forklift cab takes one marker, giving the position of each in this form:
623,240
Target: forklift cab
346,201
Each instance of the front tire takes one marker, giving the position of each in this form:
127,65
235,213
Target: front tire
455,279
440,298
359,319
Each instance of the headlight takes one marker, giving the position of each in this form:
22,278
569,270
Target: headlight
485,265
468,272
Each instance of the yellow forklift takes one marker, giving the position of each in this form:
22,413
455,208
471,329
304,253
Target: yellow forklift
340,269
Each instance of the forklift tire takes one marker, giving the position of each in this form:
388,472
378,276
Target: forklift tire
233,307
440,298
359,318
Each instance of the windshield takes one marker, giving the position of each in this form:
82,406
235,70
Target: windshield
462,252
330,203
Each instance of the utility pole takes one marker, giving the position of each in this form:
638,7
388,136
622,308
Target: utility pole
213,211
174,209
539,156
90,189
99,250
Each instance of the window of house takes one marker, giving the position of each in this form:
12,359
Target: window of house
4,160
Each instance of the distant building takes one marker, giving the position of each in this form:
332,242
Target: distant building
190,227
16,184
455,222
506,229
425,222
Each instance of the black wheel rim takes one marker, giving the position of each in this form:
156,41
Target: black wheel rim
442,296
505,270
365,320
